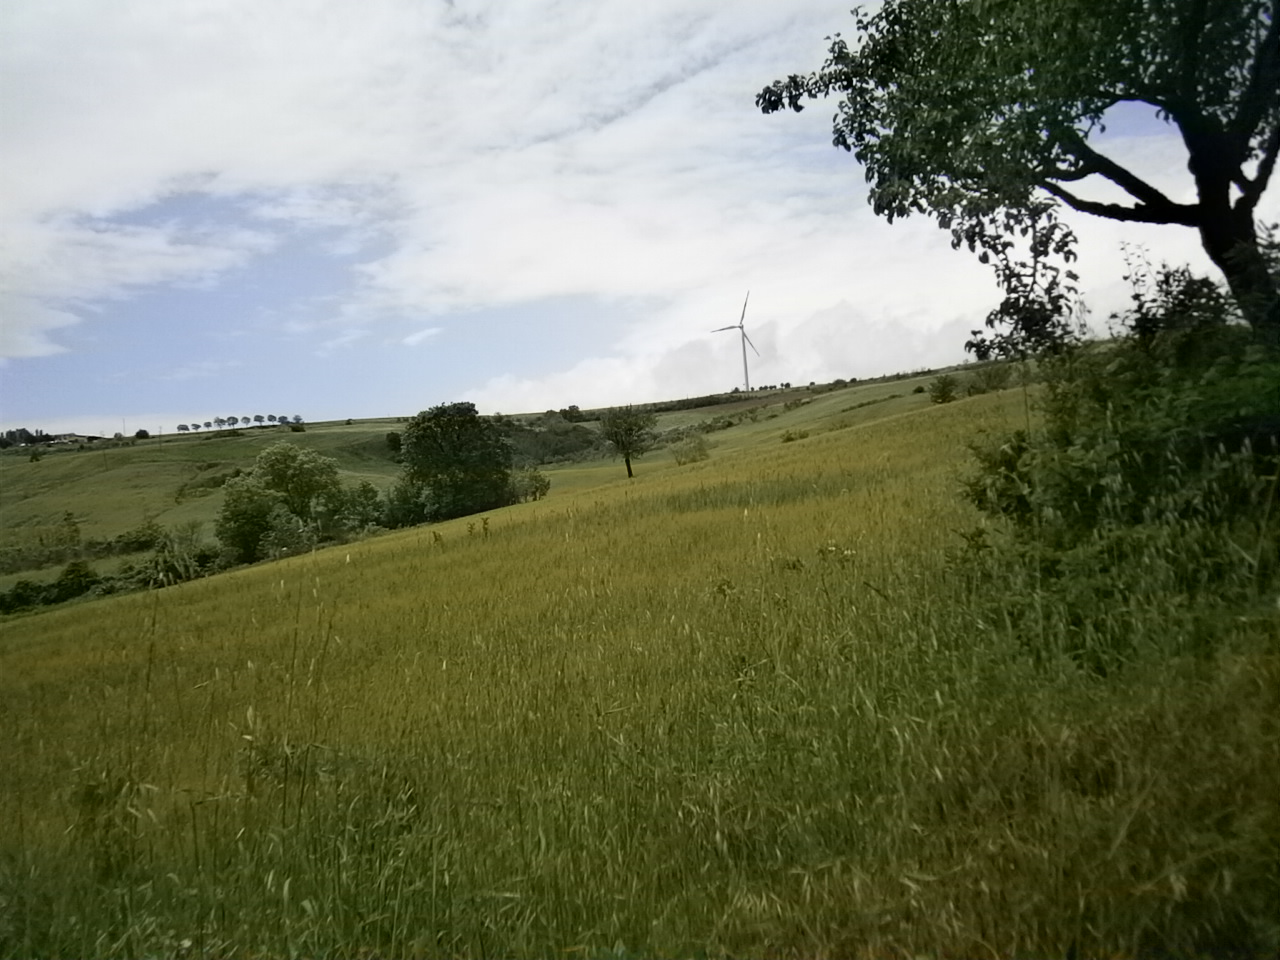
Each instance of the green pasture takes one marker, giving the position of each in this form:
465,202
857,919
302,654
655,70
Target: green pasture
741,707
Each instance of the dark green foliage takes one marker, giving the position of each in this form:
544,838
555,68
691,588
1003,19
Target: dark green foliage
246,517
551,438
407,504
460,457
981,116
354,508
988,378
629,431
944,388
1153,478
23,595
393,442
288,502
142,435
301,477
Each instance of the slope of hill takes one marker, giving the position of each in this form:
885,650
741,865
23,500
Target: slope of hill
741,707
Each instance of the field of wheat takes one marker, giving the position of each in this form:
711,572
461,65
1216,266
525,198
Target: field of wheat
737,708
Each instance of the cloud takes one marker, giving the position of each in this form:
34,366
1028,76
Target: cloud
485,156
422,336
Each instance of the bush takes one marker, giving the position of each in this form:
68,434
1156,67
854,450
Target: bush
988,378
529,484
944,388
691,449
1149,485
407,504
286,534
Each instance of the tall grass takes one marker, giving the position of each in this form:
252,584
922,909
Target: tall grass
739,708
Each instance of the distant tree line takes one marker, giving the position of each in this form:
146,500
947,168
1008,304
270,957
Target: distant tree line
232,422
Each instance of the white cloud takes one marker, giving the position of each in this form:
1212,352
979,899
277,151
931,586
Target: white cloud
502,154
421,336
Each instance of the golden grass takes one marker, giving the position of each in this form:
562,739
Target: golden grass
734,707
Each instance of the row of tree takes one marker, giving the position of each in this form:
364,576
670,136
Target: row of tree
221,422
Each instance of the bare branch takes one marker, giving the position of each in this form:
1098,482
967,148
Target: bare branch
1188,215
1135,186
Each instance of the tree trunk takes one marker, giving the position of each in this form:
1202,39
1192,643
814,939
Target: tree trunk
628,461
1229,235
1230,239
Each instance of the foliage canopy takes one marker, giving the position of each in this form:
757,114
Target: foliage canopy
631,432
462,458
974,111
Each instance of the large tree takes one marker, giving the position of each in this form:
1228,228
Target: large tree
302,477
630,431
968,110
462,459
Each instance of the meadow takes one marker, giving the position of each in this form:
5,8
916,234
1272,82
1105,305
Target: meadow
741,707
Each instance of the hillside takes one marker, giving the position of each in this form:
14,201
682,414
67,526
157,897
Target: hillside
112,488
747,706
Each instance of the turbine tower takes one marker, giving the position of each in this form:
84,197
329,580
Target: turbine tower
740,326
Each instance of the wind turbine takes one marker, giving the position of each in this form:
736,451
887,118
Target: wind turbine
740,326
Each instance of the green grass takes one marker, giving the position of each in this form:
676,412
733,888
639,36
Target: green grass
734,708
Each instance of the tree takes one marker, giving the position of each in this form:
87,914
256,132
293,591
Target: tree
247,515
258,419
273,508
183,428
142,435
297,418
529,483
975,112
232,421
462,459
301,477
630,431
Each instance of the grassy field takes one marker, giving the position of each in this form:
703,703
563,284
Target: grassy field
742,707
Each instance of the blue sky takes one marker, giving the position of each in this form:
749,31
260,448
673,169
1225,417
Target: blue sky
349,210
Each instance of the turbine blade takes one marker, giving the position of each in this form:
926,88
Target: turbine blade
744,309
748,339
719,329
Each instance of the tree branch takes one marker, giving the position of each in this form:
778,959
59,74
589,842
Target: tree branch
1135,186
1264,82
1252,190
1187,215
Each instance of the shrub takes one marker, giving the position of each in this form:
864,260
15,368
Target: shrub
691,449
529,484
943,389
1148,484
407,504
988,378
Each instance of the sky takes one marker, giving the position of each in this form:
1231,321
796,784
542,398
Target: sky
328,209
